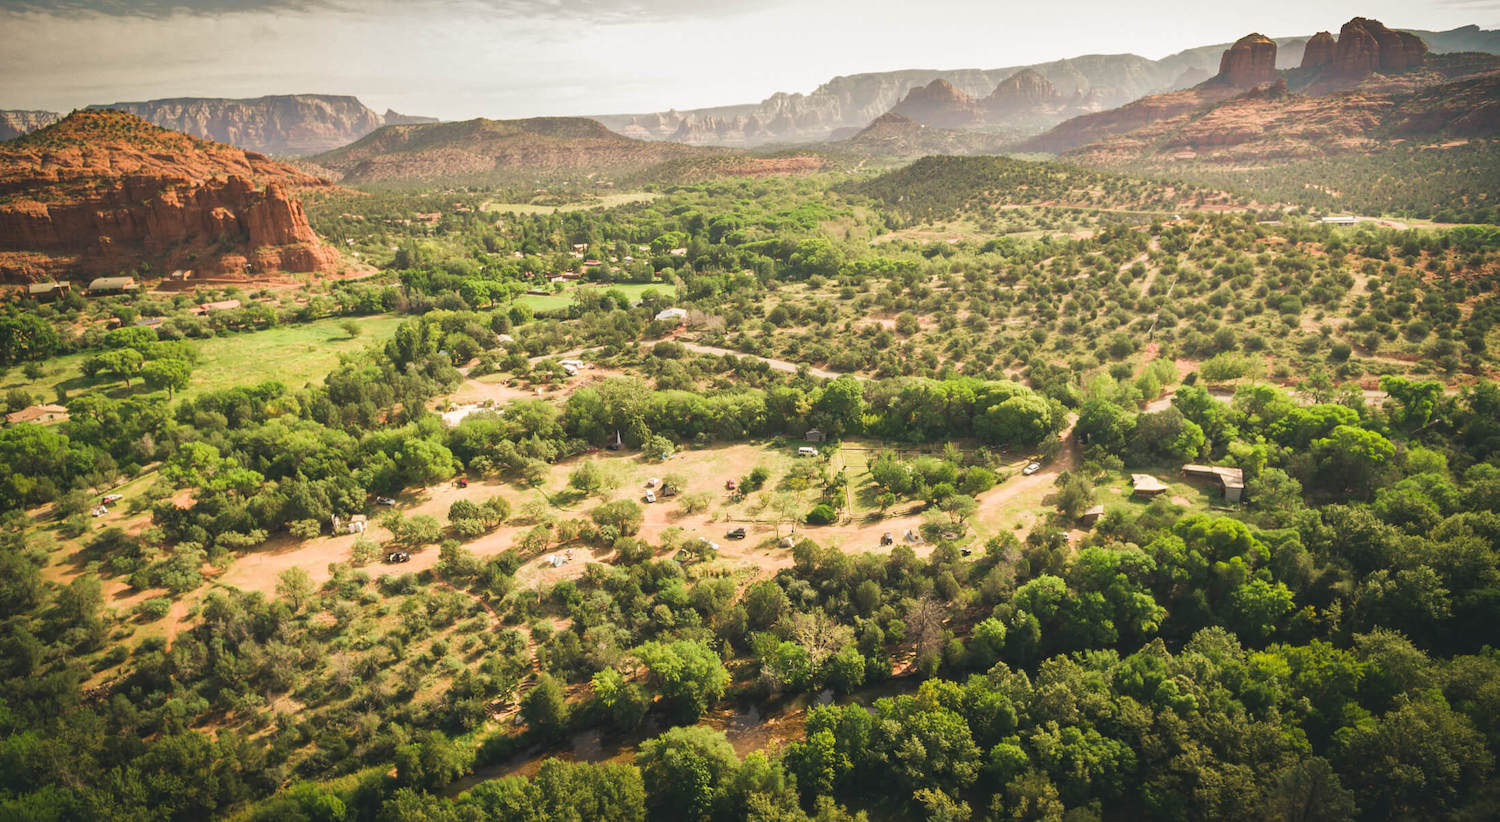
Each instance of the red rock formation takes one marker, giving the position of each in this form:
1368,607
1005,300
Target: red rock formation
1366,46
1025,90
939,103
1250,62
1319,51
104,191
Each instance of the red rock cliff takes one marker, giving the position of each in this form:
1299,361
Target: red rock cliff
104,191
1319,51
1366,46
1250,62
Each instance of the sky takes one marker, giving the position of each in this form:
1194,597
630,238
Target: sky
457,59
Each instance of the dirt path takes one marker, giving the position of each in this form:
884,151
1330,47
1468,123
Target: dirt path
778,365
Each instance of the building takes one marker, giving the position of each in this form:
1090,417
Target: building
814,435
1145,485
112,285
149,322
1340,220
221,305
354,525
672,315
48,290
1092,516
39,414
1231,480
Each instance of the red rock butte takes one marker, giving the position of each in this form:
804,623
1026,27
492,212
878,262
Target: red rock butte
1250,62
103,191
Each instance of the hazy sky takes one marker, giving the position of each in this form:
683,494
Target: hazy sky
507,58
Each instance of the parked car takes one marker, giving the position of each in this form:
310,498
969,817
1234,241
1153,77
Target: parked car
887,538
736,533
397,556
100,510
463,482
651,482
651,496
384,501
730,485
110,499
1031,469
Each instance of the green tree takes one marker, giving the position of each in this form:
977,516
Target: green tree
685,772
687,673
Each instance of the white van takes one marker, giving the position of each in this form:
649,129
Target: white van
807,451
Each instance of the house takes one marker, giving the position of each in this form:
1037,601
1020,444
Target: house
220,305
1092,515
1145,485
48,290
678,252
112,285
672,315
814,435
149,322
580,246
183,274
39,414
1231,480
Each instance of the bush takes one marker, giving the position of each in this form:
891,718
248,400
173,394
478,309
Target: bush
822,514
154,608
304,528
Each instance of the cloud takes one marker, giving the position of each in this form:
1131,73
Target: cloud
595,11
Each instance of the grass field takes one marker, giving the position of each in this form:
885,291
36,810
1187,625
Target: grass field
565,298
293,354
606,201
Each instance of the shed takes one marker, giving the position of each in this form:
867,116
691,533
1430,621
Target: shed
39,414
1146,485
218,305
1092,515
111,285
677,315
1231,480
814,435
48,290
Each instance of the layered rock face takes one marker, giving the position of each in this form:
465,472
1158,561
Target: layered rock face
1250,62
939,103
276,124
1319,51
1367,46
104,191
15,123
1025,90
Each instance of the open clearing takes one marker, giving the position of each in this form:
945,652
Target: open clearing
605,201
568,296
294,354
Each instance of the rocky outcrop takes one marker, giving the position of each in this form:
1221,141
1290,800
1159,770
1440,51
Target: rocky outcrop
1024,91
1250,62
289,124
14,123
940,104
1319,51
103,191
1367,46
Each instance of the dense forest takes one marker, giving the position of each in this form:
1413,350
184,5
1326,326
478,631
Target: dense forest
922,399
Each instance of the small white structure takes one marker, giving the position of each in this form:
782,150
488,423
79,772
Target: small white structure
1340,220
677,315
807,451
354,525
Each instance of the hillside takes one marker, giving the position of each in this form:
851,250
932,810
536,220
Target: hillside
276,124
541,148
1278,124
104,191
940,187
892,135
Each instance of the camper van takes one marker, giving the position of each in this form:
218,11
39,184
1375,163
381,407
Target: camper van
807,451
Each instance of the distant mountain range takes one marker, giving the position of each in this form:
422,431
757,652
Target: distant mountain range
1077,85
285,124
1349,93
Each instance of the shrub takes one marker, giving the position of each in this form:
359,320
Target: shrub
822,514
